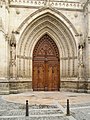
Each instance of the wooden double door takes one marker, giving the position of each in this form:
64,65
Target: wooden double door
46,65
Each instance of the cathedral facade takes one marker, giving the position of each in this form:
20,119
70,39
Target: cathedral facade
44,45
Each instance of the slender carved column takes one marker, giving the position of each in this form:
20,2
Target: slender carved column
13,83
81,66
13,56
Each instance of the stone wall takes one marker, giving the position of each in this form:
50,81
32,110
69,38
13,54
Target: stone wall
4,63
67,22
20,85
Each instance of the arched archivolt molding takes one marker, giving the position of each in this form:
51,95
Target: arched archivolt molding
45,27
58,31
42,11
36,25
53,35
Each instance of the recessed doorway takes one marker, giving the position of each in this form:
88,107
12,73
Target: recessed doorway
46,65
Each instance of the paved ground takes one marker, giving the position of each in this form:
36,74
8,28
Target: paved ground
45,106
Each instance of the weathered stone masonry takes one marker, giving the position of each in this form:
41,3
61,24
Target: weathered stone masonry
24,22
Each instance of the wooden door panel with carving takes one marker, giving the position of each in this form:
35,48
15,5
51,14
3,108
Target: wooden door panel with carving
38,75
53,75
35,77
46,65
41,77
50,77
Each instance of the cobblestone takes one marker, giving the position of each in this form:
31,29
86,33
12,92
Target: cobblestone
81,114
38,118
16,111
55,110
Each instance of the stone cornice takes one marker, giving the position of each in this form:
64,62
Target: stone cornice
40,3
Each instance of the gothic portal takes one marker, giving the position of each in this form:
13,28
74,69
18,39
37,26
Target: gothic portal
46,65
44,45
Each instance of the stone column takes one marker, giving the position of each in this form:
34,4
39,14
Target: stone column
13,75
13,60
88,46
81,66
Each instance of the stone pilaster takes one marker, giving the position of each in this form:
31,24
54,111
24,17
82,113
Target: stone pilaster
4,83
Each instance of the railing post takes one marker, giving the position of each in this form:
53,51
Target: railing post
68,110
27,111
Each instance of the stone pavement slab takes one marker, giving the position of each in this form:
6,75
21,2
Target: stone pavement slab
45,106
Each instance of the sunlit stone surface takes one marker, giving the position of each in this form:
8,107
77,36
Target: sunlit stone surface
24,22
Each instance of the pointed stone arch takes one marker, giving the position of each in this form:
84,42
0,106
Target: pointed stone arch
47,23
42,11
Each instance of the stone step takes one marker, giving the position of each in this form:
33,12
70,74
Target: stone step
31,112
